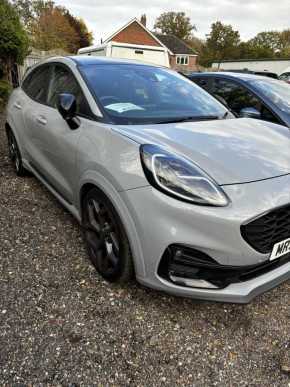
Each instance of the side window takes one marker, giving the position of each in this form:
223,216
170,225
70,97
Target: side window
285,77
237,97
202,82
234,95
266,115
63,81
36,84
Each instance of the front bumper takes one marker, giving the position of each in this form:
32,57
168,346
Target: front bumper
242,292
161,221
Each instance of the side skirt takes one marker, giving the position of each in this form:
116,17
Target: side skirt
69,206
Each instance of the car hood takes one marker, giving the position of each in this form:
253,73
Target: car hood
232,151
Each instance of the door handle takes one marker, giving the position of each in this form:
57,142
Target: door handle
17,105
42,120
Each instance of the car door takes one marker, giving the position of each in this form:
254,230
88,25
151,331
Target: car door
56,142
237,97
34,95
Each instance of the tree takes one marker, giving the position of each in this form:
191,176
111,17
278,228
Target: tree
52,30
196,44
175,23
30,11
84,37
50,26
13,38
285,44
265,44
221,43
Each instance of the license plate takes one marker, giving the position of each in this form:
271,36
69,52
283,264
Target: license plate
280,248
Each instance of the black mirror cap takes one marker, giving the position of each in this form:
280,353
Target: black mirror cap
67,107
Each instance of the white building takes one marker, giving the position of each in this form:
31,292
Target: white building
277,66
149,54
32,58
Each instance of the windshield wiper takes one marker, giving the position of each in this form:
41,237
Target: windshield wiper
188,119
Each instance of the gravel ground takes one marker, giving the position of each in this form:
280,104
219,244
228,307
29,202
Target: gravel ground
62,324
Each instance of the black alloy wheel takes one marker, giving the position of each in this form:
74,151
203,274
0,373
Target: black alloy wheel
14,154
106,239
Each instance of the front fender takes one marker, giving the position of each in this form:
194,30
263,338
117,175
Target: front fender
96,179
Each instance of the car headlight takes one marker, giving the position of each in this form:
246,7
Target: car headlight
180,178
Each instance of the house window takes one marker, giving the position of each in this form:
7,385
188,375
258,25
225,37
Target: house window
182,60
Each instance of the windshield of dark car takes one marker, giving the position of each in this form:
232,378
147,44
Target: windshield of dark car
277,91
137,94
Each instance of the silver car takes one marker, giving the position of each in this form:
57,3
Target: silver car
165,183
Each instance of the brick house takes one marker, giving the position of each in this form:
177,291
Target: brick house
181,56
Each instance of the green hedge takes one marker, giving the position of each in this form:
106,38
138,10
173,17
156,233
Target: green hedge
5,90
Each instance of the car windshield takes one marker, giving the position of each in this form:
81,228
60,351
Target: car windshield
277,91
137,94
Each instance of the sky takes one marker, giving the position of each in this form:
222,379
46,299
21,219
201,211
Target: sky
103,17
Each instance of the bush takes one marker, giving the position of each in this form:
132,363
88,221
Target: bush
5,90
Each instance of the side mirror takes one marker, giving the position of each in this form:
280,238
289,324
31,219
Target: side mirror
250,112
67,107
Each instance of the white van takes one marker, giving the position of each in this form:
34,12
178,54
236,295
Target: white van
147,54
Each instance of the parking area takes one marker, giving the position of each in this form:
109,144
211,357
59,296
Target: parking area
62,324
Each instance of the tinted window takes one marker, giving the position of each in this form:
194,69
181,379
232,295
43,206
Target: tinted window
202,82
136,94
237,97
63,81
278,92
285,77
36,83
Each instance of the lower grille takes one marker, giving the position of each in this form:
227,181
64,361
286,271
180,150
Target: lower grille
263,232
183,262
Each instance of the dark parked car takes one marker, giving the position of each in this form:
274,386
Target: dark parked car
264,73
248,95
285,77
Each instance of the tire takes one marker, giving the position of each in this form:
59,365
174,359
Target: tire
14,154
105,237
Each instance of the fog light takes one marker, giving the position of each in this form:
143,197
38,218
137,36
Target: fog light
193,283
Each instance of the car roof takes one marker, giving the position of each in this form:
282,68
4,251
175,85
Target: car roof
86,60
230,75
83,60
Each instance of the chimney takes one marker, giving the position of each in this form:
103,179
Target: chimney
143,19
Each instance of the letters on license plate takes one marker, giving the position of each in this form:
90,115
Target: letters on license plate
280,248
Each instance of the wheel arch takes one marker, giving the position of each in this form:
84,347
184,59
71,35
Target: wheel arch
121,208
9,126
84,190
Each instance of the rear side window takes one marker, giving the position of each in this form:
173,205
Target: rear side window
36,84
202,82
63,81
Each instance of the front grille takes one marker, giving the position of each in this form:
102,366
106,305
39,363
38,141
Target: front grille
263,232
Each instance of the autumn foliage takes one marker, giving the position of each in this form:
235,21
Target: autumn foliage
52,27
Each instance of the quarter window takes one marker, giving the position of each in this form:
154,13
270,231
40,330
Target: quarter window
36,84
182,60
63,81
